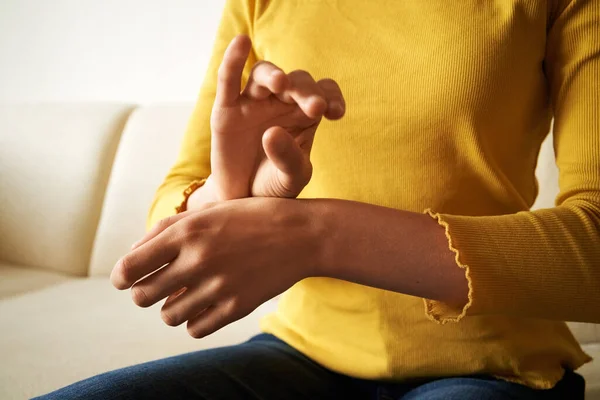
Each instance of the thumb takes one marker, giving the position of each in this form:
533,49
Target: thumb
287,156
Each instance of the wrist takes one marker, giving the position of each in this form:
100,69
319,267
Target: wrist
323,228
204,194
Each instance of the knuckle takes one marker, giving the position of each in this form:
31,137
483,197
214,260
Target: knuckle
232,309
328,82
300,73
208,205
139,296
259,65
218,285
198,260
187,227
301,117
330,86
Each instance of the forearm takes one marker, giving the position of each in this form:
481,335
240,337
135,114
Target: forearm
389,249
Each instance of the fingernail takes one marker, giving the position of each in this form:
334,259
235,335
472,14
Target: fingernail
133,246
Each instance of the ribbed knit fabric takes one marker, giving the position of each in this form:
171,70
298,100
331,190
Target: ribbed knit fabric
447,105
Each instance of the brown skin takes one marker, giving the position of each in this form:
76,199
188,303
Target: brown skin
225,258
262,137
233,256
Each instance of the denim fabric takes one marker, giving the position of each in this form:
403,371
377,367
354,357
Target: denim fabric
266,368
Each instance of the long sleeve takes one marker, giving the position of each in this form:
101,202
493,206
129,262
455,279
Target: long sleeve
193,162
546,263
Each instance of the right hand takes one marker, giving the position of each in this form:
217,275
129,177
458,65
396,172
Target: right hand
262,137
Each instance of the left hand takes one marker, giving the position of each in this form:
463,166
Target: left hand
261,138
222,261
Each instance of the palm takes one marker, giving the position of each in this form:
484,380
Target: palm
237,149
262,137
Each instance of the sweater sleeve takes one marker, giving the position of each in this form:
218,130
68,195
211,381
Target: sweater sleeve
545,263
193,163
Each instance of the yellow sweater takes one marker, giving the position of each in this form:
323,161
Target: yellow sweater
447,105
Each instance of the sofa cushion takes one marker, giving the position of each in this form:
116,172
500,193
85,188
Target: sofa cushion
585,333
148,148
64,333
16,280
591,372
546,173
54,162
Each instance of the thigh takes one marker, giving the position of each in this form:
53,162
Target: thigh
262,368
572,386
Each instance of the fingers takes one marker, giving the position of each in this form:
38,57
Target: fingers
336,105
187,305
314,98
145,259
305,92
167,222
264,80
287,156
168,280
229,78
175,295
158,228
213,318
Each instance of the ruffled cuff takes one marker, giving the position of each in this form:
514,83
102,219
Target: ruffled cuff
187,193
439,311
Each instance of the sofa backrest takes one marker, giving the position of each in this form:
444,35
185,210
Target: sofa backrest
55,161
149,146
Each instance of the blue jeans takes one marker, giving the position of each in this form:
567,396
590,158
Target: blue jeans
266,368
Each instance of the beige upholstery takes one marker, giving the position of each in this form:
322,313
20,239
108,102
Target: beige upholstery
149,146
591,372
547,176
55,162
54,165
71,331
585,333
15,280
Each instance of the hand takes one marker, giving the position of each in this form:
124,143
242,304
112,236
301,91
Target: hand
262,137
222,261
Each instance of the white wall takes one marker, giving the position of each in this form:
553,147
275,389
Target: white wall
126,50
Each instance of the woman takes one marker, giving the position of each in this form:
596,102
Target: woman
421,191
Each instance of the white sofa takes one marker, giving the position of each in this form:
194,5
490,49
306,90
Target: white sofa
75,183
